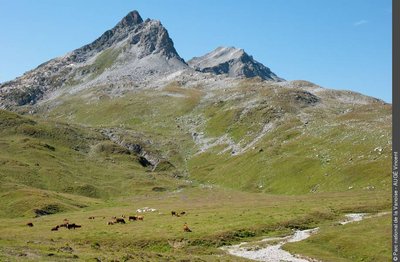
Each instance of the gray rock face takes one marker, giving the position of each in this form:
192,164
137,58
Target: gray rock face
233,62
149,34
108,38
134,54
133,51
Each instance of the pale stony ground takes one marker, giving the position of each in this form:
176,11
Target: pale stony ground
274,252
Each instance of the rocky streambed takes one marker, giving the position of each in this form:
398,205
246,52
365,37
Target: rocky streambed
270,249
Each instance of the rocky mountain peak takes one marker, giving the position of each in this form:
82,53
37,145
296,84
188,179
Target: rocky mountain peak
153,38
227,52
234,62
149,36
133,50
119,32
131,19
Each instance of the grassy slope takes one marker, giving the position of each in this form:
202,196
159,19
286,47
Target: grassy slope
37,156
335,151
296,159
151,114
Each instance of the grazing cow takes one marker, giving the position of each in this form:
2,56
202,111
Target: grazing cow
140,218
173,213
30,224
73,226
183,213
120,220
186,228
110,223
132,218
55,228
91,217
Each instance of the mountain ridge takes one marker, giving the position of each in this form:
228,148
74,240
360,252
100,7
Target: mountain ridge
134,50
233,62
140,40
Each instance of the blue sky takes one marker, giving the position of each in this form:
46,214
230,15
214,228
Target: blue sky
341,44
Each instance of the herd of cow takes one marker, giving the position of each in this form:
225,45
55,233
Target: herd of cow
65,224
121,220
115,220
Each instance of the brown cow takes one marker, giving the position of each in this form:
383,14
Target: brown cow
183,213
186,228
174,213
110,223
120,220
65,223
91,217
55,228
73,226
140,218
30,224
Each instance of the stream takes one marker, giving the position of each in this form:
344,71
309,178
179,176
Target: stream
270,249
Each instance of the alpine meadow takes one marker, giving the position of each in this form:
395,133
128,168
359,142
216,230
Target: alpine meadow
123,151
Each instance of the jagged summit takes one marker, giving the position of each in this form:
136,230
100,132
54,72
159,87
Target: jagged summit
131,19
232,61
119,32
149,36
133,51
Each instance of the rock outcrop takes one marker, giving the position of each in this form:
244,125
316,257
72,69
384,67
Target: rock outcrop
233,62
134,54
133,51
